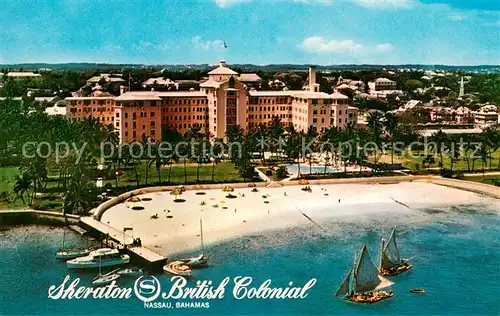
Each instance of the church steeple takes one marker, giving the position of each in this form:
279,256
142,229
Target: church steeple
462,90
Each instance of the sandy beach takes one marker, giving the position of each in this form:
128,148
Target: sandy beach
272,208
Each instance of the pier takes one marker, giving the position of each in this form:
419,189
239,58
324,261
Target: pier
114,238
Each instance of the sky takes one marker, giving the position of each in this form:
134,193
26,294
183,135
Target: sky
324,32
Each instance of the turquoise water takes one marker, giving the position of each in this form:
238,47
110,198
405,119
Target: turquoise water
304,169
456,259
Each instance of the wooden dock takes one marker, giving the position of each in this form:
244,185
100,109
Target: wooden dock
117,239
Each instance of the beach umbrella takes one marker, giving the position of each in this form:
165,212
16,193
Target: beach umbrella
303,182
228,188
134,199
252,185
198,187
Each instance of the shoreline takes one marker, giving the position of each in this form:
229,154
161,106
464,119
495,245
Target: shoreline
248,212
360,198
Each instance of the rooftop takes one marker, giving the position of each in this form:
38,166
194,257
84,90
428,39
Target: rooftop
250,77
222,70
23,74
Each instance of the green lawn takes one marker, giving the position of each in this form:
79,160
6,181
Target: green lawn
459,165
495,180
224,172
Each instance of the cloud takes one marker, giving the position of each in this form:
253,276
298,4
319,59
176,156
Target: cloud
317,44
383,48
207,45
320,45
386,4
227,3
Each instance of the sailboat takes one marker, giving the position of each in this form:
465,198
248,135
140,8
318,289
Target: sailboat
109,277
200,261
390,262
363,284
71,253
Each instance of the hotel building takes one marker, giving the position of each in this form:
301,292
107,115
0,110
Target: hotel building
221,102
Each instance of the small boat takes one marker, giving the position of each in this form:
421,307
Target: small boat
177,268
105,257
390,262
197,262
71,253
417,291
363,284
105,279
130,272
101,279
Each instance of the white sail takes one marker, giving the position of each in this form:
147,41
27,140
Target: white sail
391,249
366,277
344,287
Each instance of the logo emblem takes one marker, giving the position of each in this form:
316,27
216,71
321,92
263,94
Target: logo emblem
147,288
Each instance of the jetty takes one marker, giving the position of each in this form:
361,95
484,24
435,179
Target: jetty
114,238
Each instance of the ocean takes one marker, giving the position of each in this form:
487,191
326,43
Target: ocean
455,256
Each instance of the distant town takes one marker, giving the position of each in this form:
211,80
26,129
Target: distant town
278,104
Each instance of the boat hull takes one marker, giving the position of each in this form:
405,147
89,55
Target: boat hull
396,270
175,272
95,263
105,279
369,298
67,255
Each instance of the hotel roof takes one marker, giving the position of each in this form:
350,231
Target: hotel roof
222,70
256,93
338,95
138,95
250,77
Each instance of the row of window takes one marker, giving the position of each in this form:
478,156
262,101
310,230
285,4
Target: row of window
266,100
272,109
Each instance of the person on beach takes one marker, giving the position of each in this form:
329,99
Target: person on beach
339,201
234,211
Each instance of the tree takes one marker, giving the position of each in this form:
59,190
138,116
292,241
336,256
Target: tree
22,186
440,139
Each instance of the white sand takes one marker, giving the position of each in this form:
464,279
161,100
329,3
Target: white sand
252,215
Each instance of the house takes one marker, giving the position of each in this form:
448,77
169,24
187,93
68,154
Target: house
381,84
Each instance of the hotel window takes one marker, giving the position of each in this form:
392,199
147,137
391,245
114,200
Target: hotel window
340,112
315,111
126,115
315,120
134,125
152,114
340,120
134,115
126,124
152,124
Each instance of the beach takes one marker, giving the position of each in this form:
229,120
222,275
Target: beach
177,226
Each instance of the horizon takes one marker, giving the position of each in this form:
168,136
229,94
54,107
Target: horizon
242,64
319,32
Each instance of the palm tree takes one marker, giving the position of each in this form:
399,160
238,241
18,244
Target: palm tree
375,124
391,124
440,138
22,186
310,136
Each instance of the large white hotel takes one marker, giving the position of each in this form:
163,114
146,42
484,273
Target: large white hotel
222,101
